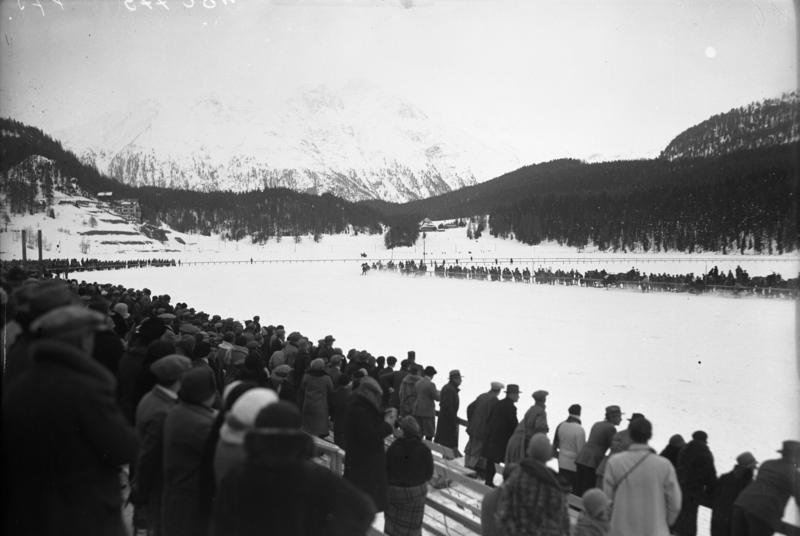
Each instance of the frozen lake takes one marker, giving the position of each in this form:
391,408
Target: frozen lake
722,364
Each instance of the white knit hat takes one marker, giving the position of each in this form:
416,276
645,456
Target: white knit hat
243,414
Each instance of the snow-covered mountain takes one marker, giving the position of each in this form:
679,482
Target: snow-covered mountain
357,142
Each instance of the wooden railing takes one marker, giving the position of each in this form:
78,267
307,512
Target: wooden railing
453,505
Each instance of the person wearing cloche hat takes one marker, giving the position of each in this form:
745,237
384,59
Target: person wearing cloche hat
727,488
186,430
534,422
760,506
596,514
425,405
696,476
150,415
316,388
241,418
263,494
447,425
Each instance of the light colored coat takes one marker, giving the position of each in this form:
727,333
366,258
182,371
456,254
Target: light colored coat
571,439
648,500
427,395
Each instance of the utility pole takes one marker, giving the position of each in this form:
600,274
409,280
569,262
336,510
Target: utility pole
39,241
24,249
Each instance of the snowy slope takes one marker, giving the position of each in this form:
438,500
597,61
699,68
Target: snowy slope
356,142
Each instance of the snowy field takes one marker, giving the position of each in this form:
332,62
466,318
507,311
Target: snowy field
721,364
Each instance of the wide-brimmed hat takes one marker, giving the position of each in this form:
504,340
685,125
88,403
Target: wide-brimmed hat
791,447
512,388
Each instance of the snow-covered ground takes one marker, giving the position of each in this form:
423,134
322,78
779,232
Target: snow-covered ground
721,364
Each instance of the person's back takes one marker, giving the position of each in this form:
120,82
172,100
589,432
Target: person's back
764,501
62,452
643,488
280,491
727,490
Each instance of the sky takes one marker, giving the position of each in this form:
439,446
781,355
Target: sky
574,78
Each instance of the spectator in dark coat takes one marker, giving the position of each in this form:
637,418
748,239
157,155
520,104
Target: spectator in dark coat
108,347
727,489
186,432
148,484
673,448
315,391
534,422
366,427
409,465
385,380
408,392
339,399
447,425
696,476
280,491
502,422
132,363
759,508
64,437
477,427
593,452
397,379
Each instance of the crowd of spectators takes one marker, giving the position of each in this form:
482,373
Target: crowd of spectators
216,421
738,281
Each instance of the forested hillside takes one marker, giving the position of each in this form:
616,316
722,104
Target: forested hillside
31,162
759,124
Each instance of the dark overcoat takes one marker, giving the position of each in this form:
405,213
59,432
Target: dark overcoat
279,491
502,422
186,431
64,440
315,392
365,456
447,426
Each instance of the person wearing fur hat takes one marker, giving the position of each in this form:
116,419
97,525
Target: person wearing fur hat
316,388
366,427
425,404
727,489
64,437
280,491
697,476
760,506
534,422
594,519
533,501
241,418
186,430
148,482
568,440
409,466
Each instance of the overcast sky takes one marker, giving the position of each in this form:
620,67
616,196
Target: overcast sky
555,78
